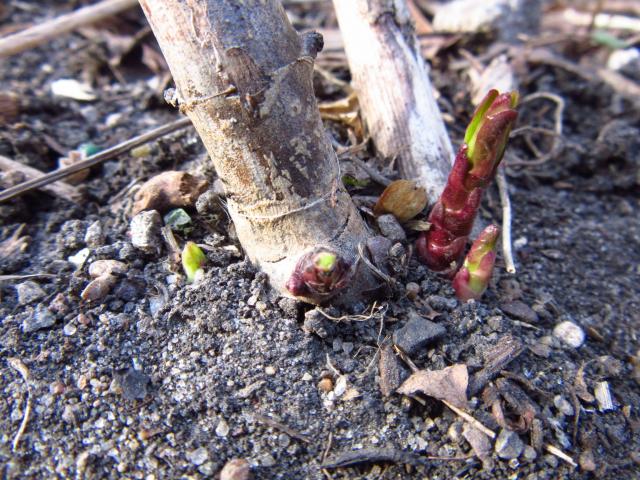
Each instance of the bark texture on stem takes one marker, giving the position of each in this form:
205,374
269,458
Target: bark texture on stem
281,175
394,90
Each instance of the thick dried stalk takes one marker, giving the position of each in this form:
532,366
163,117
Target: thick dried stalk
266,140
394,90
34,36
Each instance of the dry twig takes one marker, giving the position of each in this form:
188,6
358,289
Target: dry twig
507,251
58,189
22,369
100,157
39,34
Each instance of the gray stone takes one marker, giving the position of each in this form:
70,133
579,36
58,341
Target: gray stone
29,292
39,319
519,311
530,453
198,456
391,228
145,231
417,333
569,333
134,384
95,236
563,405
508,445
480,443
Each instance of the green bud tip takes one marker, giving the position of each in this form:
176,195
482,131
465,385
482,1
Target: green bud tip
193,258
325,261
492,104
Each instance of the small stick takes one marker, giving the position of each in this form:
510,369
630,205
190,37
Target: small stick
282,427
560,454
468,418
22,369
39,34
10,278
507,251
99,157
59,189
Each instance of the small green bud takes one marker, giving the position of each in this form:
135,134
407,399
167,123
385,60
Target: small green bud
193,259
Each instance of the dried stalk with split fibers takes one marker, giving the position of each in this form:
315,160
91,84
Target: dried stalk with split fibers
394,90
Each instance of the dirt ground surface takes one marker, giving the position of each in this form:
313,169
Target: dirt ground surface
161,379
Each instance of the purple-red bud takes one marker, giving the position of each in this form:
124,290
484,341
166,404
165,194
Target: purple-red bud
487,135
473,277
320,272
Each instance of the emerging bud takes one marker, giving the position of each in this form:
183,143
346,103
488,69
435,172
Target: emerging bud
320,272
487,135
193,259
473,277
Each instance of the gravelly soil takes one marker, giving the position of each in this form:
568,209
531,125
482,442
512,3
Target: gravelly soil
164,380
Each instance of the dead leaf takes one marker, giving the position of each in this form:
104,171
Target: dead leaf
169,190
345,110
403,198
448,384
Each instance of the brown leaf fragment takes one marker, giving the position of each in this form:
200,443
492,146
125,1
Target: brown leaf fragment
169,190
391,371
403,198
496,358
448,384
580,386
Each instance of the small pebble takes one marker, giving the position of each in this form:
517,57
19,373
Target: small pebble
269,370
520,311
222,430
69,329
145,231
325,385
412,290
236,469
530,453
29,292
94,237
79,258
569,333
587,462
100,267
508,445
198,456
391,228
417,333
563,405
39,319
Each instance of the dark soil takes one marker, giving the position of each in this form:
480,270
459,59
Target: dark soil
160,379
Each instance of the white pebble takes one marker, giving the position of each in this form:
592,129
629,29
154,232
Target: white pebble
570,333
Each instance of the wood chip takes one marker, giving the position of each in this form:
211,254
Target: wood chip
497,358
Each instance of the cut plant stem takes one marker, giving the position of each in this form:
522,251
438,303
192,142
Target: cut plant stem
452,217
267,142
